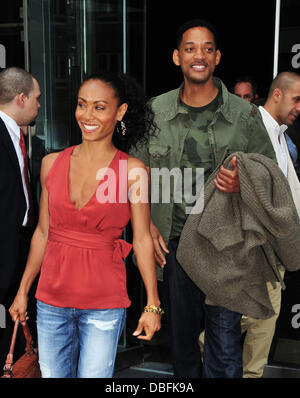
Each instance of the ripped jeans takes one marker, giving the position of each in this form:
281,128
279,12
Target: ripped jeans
78,343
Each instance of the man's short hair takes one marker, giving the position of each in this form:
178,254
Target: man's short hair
194,24
245,79
283,81
14,81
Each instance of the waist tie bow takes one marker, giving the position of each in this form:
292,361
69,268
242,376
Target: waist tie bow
120,247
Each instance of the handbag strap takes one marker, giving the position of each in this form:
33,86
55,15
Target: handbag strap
29,345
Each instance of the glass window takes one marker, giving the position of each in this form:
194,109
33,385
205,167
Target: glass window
70,39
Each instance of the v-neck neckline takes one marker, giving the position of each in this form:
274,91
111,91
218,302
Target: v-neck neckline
68,181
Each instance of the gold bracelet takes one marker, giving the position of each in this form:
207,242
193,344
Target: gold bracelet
153,308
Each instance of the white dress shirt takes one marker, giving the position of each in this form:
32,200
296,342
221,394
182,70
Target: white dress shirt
282,153
278,132
14,132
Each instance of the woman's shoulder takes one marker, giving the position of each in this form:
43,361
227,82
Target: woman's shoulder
49,159
47,163
135,163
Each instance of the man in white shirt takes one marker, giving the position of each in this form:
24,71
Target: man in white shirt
280,111
19,105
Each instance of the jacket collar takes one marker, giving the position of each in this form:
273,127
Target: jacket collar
174,106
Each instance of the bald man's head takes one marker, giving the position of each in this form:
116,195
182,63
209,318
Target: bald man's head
283,101
283,81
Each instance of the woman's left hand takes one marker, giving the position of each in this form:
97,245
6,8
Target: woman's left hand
150,323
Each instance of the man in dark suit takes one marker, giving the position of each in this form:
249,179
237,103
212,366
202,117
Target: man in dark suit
19,104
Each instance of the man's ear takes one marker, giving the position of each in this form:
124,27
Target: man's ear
20,99
218,57
277,94
176,57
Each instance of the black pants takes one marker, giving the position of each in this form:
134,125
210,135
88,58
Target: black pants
7,296
183,302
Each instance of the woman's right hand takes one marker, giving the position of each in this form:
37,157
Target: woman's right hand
18,308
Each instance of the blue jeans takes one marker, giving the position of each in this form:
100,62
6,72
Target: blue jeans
78,343
222,345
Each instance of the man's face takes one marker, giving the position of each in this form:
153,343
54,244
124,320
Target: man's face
197,55
289,104
244,90
31,104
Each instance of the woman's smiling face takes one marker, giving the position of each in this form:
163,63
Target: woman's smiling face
98,110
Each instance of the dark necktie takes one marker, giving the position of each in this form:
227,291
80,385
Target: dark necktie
24,153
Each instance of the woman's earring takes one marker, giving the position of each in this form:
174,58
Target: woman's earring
123,128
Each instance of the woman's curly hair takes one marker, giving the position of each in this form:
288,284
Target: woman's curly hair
138,119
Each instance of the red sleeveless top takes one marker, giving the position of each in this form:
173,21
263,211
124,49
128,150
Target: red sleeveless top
83,263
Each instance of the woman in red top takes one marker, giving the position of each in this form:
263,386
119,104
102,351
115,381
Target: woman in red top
85,206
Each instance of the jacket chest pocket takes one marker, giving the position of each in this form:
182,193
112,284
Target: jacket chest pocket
159,155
